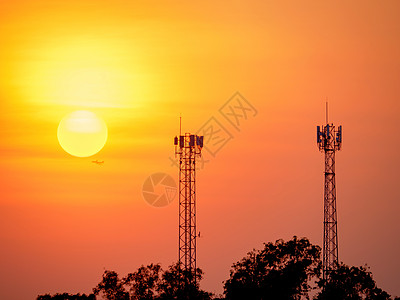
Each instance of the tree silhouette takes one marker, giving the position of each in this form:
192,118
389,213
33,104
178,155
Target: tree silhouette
111,287
283,270
144,284
66,296
151,282
350,283
172,285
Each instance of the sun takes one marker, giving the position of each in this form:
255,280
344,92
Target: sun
82,133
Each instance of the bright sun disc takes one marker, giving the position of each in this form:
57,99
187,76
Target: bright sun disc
82,133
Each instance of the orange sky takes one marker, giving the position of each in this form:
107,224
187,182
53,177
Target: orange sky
138,65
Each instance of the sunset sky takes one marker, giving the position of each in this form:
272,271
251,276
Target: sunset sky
139,65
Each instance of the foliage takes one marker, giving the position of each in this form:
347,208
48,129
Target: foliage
151,282
351,283
66,296
283,270
172,285
111,287
145,282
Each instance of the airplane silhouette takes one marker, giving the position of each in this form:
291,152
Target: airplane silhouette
98,162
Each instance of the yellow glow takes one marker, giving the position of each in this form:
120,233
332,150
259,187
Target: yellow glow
82,133
79,73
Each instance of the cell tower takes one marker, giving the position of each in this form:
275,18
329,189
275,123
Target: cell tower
329,140
188,147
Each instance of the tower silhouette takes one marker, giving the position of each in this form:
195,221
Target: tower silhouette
188,147
329,140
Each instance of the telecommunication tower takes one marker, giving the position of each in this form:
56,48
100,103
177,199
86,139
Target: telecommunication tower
188,147
329,140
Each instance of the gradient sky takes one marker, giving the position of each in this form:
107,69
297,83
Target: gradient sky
138,65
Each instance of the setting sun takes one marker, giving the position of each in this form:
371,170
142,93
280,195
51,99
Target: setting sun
82,133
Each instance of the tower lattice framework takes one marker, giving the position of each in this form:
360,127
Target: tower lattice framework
188,147
329,141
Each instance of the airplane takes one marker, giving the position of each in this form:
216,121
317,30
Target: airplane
98,162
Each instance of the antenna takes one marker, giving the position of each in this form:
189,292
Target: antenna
180,124
326,110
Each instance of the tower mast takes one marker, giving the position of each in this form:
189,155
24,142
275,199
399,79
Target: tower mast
329,140
188,147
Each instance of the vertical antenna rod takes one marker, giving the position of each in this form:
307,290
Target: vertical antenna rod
329,141
326,110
